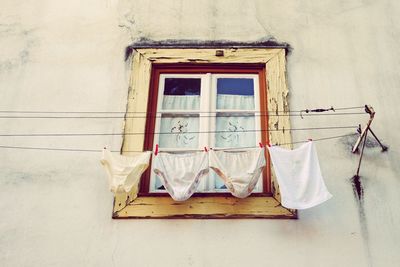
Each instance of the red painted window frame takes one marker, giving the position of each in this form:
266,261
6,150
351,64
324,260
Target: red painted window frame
187,68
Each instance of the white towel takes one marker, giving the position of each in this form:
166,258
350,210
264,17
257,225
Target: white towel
299,176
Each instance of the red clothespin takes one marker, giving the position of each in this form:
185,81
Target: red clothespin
205,149
309,139
156,152
261,145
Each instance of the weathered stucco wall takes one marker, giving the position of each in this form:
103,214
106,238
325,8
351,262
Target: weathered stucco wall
69,56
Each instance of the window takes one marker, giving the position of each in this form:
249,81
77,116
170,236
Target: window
204,109
202,99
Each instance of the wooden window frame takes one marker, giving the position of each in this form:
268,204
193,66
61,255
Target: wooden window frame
147,65
190,68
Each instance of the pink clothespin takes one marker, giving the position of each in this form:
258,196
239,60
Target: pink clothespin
205,149
156,152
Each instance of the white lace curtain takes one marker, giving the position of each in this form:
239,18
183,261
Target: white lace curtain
192,102
182,131
186,102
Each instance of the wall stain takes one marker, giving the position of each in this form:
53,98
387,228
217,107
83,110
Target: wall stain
13,35
358,185
358,191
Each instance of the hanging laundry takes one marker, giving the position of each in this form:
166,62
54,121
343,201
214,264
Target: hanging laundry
299,176
180,173
124,171
240,170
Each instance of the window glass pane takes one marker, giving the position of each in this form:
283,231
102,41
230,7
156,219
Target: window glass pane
179,131
231,130
181,93
235,93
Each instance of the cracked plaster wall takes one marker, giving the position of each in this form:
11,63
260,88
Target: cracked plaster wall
69,55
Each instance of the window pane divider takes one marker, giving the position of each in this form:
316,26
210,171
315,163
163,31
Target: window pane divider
180,111
236,111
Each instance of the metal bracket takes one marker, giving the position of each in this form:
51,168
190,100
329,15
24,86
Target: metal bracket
363,137
363,133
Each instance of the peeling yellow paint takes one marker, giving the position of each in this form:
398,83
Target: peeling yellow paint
277,94
209,207
232,55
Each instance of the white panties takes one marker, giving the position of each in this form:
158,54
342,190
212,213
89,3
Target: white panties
180,173
124,171
240,170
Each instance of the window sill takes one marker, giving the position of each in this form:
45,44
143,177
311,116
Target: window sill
216,207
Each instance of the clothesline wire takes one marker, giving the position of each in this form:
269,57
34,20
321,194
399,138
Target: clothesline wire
319,139
143,112
292,143
98,150
173,133
179,114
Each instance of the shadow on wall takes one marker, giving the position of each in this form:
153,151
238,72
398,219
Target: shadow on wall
371,142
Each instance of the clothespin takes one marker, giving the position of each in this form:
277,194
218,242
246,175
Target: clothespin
156,151
261,145
205,149
309,140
